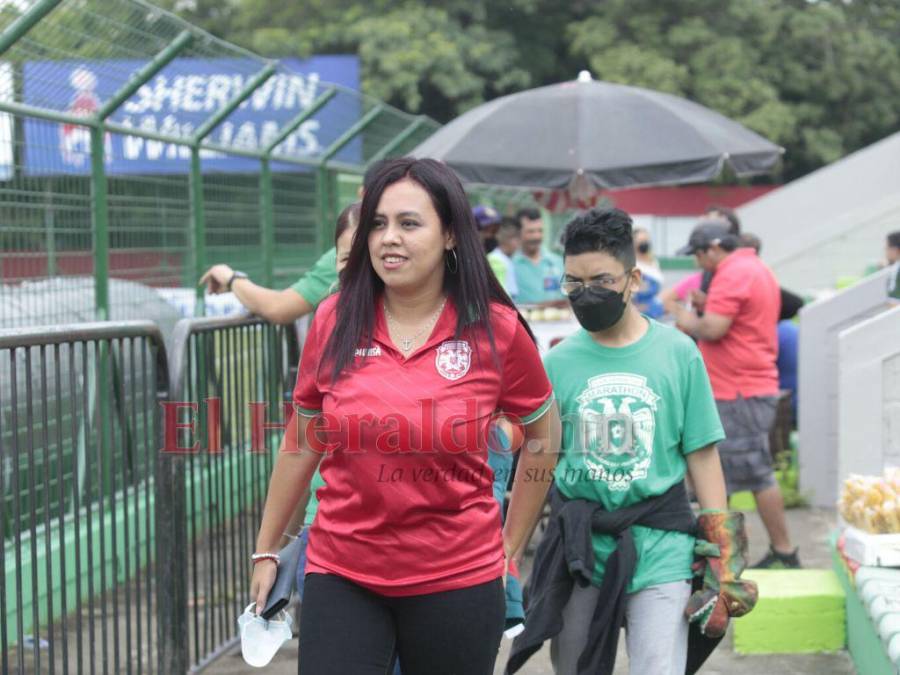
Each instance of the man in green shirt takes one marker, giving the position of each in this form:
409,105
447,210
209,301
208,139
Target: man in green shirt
537,270
638,416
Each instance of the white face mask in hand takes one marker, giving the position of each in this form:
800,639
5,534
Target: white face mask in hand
260,639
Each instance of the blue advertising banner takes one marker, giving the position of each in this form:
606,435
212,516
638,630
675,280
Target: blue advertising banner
176,102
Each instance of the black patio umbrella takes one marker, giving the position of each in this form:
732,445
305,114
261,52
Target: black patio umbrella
588,135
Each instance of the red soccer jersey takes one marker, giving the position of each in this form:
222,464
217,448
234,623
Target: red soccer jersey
743,362
407,507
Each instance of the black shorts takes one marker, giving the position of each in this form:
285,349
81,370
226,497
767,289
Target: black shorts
746,460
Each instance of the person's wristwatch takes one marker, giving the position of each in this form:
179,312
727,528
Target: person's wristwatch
236,275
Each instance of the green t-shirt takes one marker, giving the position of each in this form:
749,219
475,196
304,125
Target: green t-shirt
538,282
319,282
314,286
639,410
498,265
313,504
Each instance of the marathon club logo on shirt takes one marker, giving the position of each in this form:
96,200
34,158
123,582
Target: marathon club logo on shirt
454,357
617,425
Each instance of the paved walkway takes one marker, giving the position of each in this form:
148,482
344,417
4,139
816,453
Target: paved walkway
809,527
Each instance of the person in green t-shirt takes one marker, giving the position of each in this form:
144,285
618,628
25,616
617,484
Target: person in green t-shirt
537,270
500,259
638,417
287,306
312,288
308,505
284,306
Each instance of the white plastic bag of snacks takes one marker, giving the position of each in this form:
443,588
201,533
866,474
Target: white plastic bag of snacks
872,503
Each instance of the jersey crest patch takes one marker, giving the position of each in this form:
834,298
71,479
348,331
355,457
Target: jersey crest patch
454,358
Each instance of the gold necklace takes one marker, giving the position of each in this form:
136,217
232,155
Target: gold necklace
407,342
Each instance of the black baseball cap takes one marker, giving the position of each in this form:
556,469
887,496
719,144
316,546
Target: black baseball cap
704,235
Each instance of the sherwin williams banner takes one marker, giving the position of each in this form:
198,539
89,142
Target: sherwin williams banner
176,102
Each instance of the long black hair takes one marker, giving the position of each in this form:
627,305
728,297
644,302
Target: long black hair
472,285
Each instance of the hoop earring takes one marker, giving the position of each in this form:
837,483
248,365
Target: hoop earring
454,267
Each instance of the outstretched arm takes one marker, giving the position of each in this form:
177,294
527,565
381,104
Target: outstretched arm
274,306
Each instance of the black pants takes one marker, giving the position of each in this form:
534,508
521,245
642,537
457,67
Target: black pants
346,629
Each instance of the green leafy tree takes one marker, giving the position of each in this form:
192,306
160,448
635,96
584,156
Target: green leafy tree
435,58
820,77
424,59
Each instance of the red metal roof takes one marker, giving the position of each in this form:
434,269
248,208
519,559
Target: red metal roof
686,200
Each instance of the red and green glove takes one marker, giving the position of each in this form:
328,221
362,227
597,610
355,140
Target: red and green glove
721,552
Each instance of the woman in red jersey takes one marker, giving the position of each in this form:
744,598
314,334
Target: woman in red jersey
403,373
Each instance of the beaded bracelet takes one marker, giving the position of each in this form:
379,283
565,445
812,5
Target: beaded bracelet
257,557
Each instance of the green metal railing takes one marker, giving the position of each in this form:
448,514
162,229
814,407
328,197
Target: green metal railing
122,552
209,502
164,228
73,235
77,586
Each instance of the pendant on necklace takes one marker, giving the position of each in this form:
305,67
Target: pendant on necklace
407,344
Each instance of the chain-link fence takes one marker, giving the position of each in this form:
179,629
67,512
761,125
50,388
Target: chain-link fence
135,146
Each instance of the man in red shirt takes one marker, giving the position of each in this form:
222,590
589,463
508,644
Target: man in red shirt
738,338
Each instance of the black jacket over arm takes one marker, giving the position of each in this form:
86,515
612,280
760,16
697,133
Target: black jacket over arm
566,557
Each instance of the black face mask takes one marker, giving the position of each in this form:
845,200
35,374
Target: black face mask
644,247
490,244
598,310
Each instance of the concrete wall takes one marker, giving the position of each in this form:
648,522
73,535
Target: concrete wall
869,396
832,222
890,381
857,243
821,324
